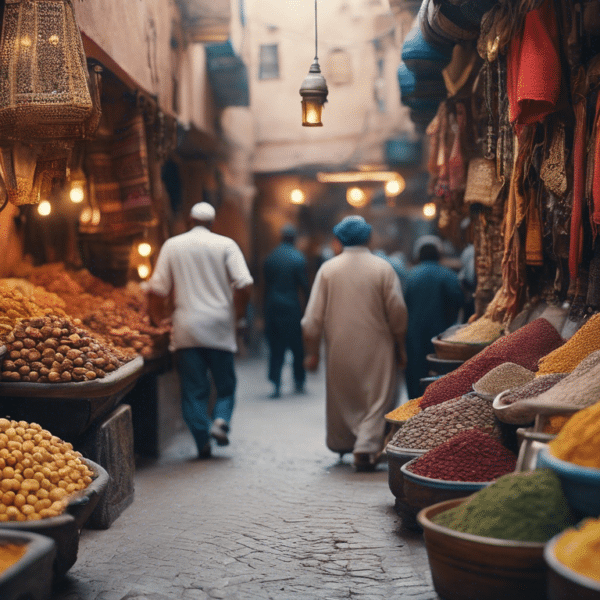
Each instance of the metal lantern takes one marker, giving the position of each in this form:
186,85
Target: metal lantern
45,98
313,90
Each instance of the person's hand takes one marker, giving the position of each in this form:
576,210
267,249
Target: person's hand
311,362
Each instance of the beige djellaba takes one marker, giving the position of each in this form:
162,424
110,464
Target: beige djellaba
356,305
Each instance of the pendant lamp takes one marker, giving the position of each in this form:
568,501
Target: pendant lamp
313,90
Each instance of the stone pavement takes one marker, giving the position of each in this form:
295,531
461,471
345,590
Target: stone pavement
275,516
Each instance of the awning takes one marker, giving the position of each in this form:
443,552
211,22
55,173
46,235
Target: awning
227,75
206,20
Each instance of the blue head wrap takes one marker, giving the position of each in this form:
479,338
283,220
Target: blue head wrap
352,231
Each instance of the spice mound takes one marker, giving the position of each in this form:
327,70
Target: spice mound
405,411
513,411
582,343
503,377
579,388
578,442
481,331
469,456
55,350
579,548
437,424
11,554
525,347
38,472
526,507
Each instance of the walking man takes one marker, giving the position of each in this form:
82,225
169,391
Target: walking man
433,297
356,303
286,291
211,287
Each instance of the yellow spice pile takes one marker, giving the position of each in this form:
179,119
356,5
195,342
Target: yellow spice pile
565,358
405,411
38,472
481,331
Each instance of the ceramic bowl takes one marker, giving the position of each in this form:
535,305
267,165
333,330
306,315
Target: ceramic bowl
396,458
471,567
581,485
31,576
66,527
563,582
455,350
422,491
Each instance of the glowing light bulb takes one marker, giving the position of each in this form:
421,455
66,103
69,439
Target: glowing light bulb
86,215
297,196
143,271
44,208
144,249
54,39
395,186
96,216
76,193
356,197
429,210
26,41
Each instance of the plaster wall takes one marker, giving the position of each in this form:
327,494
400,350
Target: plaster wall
137,36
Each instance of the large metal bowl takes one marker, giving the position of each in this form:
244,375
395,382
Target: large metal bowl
471,567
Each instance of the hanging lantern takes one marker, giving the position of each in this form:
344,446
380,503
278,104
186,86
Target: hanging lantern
313,90
47,100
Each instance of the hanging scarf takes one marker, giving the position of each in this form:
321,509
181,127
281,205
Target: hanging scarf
576,234
457,170
534,68
595,155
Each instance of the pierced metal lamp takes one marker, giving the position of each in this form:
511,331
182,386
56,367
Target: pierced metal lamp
313,90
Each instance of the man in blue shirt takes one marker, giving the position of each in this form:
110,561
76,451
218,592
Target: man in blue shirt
285,280
433,296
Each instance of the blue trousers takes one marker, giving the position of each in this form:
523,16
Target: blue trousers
194,366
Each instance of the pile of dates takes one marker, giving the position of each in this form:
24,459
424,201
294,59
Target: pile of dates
54,349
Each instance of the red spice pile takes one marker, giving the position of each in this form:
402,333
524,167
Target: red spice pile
525,347
469,456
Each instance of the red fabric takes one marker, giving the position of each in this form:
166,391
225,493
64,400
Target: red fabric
576,234
534,68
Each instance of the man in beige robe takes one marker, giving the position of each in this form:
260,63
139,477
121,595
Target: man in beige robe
356,304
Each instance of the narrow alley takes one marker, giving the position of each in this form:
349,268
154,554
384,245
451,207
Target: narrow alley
274,515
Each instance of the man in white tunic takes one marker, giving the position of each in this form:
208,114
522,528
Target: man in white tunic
211,286
356,304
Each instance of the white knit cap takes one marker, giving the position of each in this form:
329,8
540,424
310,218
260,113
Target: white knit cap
202,211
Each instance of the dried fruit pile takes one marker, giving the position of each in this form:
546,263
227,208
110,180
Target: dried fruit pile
56,350
119,314
20,299
38,472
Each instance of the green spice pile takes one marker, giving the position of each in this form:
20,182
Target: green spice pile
526,507
437,424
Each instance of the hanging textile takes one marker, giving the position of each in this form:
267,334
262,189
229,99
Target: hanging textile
534,73
576,234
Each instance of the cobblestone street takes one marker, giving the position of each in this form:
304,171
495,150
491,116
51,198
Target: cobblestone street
274,515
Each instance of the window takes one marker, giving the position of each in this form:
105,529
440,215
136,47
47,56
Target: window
269,61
